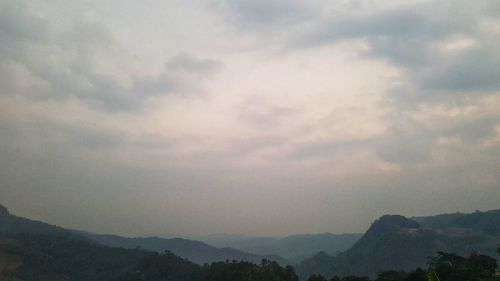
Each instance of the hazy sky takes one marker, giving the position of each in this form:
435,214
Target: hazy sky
261,117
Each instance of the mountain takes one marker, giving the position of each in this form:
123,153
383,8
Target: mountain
192,250
397,243
486,222
10,223
34,251
33,257
293,247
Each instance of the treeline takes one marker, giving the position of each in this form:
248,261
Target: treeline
245,271
444,266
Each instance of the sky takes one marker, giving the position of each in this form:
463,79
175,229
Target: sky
255,117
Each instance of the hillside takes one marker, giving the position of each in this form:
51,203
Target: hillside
192,250
486,222
10,223
35,257
50,257
398,243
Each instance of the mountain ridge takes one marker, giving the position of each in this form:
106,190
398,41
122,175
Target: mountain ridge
394,242
292,247
195,251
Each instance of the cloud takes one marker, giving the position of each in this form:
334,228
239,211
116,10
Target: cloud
189,63
163,111
78,60
258,112
264,24
19,23
477,69
445,48
264,14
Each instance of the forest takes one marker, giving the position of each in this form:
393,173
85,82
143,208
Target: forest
27,257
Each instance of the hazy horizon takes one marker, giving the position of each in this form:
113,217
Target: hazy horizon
202,236
256,117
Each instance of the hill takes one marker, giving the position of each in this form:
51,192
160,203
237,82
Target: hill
35,257
192,250
49,257
293,247
397,243
10,223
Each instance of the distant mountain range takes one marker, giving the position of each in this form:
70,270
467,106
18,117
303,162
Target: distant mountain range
397,243
392,242
294,247
195,251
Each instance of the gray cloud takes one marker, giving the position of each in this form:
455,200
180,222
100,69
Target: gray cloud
402,23
272,18
66,63
281,131
189,63
19,24
409,36
472,70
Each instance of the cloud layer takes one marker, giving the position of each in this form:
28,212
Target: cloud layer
258,117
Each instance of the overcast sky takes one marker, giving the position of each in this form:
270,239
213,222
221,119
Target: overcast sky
263,117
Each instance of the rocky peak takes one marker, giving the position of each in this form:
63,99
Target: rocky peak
391,223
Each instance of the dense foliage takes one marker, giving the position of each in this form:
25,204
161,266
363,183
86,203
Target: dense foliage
42,257
320,277
449,267
245,271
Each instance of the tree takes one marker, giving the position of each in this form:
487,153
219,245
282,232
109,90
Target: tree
417,275
451,267
355,278
335,278
392,275
315,277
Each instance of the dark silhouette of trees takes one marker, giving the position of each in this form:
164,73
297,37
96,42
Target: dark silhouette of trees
44,257
315,277
246,271
449,267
